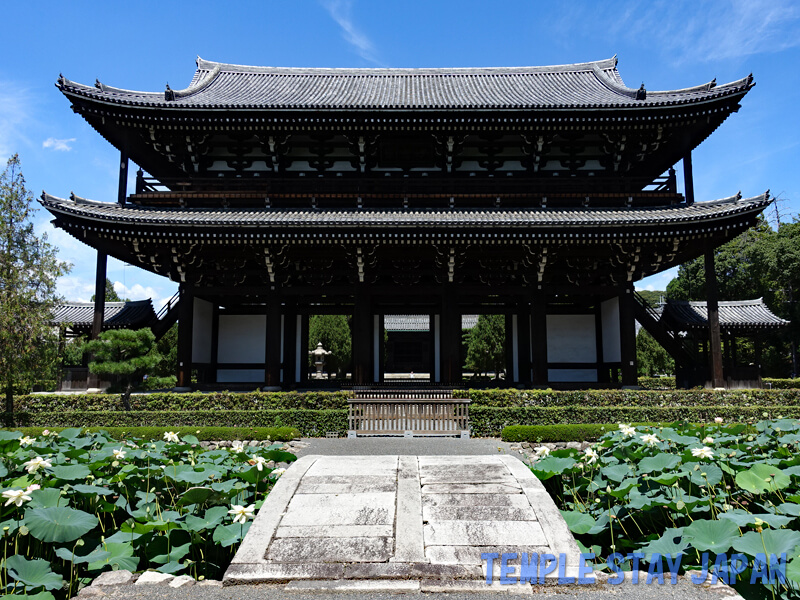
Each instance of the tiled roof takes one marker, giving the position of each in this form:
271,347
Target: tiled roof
117,315
583,85
735,314
420,322
290,218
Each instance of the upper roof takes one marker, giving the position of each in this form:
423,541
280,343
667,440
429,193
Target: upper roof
289,218
734,314
582,85
117,315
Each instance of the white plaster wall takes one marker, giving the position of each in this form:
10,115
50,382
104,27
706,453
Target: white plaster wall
609,311
241,375
202,323
242,339
571,339
572,375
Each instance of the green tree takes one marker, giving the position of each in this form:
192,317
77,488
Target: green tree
29,269
651,358
124,355
111,293
334,333
486,345
167,348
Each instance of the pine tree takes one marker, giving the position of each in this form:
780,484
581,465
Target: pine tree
29,269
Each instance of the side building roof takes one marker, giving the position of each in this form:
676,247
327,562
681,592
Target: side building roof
736,315
79,316
589,85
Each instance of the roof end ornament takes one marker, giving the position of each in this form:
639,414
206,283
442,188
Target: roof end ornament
641,93
169,94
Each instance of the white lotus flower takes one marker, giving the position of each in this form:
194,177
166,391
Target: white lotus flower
118,454
627,430
16,497
171,436
259,462
26,441
242,513
708,440
649,439
591,456
717,419
541,452
277,472
704,452
36,463
46,432
237,447
32,488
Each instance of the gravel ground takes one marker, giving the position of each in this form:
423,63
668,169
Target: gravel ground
419,446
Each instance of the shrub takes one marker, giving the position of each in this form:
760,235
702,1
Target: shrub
204,434
310,423
782,384
556,433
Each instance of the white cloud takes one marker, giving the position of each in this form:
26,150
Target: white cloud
140,292
58,145
691,30
340,11
14,115
75,289
658,281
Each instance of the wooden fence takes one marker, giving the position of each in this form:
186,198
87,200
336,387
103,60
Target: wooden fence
408,413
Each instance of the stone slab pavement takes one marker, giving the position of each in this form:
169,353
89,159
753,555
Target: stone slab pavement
406,518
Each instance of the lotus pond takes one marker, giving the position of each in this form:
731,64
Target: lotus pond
690,490
75,505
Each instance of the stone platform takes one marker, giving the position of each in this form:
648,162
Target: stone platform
360,520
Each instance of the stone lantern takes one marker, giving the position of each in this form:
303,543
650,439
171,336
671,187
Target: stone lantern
319,355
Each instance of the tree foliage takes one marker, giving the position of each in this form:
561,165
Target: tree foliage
486,345
111,293
334,333
651,358
761,263
124,355
29,269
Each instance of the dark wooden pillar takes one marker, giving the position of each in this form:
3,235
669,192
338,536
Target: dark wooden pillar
688,178
122,190
602,369
509,348
362,338
212,375
450,337
539,337
185,324
433,339
272,377
379,348
627,336
712,299
302,350
524,342
289,343
99,294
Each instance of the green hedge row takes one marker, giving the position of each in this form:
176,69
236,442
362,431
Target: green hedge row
216,401
580,432
657,383
490,421
782,384
633,398
277,434
310,423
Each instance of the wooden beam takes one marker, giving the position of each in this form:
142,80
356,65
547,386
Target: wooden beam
688,178
539,337
99,294
289,343
185,325
122,190
714,337
273,341
362,337
627,332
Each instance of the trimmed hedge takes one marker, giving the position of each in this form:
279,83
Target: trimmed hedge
310,423
490,421
210,434
782,384
581,432
657,383
630,398
216,401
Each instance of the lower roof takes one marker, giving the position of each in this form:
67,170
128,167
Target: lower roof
453,218
133,314
735,315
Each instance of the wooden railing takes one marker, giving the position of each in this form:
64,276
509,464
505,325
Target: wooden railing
415,413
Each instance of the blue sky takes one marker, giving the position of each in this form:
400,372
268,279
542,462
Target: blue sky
666,44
